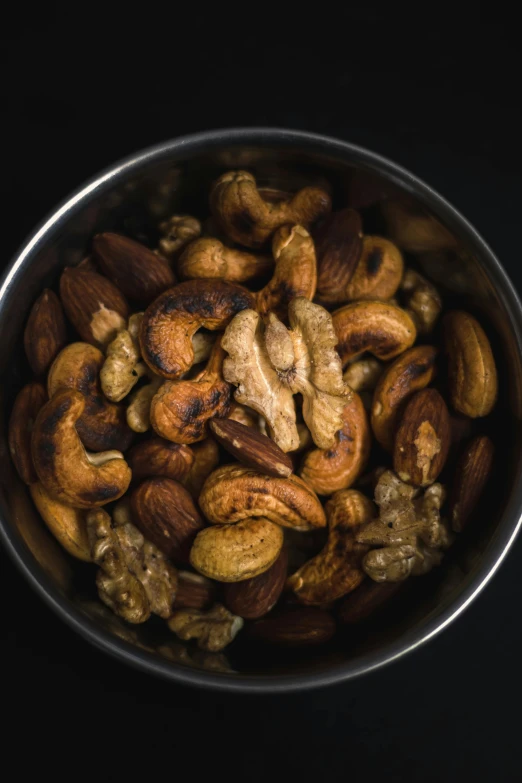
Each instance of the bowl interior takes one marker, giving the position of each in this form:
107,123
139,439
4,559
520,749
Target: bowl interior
133,199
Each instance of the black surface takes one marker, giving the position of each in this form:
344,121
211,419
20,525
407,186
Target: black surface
439,95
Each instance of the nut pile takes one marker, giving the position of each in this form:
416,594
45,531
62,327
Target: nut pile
263,458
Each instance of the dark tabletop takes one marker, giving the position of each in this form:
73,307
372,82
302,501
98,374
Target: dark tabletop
439,95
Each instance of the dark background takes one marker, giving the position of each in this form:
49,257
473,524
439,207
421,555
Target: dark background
440,95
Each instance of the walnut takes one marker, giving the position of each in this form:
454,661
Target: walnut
177,232
423,302
213,629
270,365
122,368
409,529
135,579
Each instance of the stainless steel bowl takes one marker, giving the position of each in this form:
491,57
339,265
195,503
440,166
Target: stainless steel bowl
133,196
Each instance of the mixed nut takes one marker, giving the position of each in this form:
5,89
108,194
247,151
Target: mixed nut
262,460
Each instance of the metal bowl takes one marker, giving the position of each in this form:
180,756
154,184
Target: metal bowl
133,196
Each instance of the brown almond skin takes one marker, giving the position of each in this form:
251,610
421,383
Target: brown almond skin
338,246
423,439
294,627
371,325
27,405
412,371
140,274
165,513
194,591
471,475
369,597
45,333
96,307
159,457
255,597
251,448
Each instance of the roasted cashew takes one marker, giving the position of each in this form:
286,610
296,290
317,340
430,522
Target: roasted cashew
208,257
65,523
378,327
379,271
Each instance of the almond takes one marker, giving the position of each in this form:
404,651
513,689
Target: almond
94,306
366,600
45,333
423,439
159,457
251,448
28,403
194,591
137,271
166,515
338,245
472,472
255,597
294,627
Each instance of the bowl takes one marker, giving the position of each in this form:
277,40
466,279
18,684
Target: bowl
133,196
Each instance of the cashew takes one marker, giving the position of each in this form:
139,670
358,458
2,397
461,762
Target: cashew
248,219
378,327
208,257
233,493
413,229
177,232
122,368
170,322
337,569
158,457
138,410
423,302
67,472
231,553
65,523
379,271
202,343
29,401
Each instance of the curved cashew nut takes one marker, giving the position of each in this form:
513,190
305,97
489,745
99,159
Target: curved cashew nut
67,472
472,372
29,401
158,457
174,317
231,553
102,424
378,327
122,368
337,569
379,271
250,220
180,410
177,232
65,523
329,470
295,272
412,371
208,257
233,493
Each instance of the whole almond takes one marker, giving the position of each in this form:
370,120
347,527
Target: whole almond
28,403
251,448
165,513
473,470
45,333
137,271
423,439
159,457
194,591
338,245
369,597
294,627
94,306
255,597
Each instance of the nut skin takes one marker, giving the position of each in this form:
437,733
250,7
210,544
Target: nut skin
194,591
174,317
233,493
423,439
45,333
96,307
165,513
159,457
471,475
472,374
337,569
255,597
300,626
231,553
412,371
378,327
368,599
338,245
29,401
379,271
66,471
206,459
329,470
138,272
208,258
103,424
248,219
295,272
251,448
65,523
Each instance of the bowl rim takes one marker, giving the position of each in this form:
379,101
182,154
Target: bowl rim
503,537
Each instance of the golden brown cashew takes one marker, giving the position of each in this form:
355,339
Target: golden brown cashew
102,424
158,457
329,470
337,569
378,327
180,410
65,523
379,271
471,368
250,220
170,322
67,472
233,493
29,401
208,257
412,371
295,273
